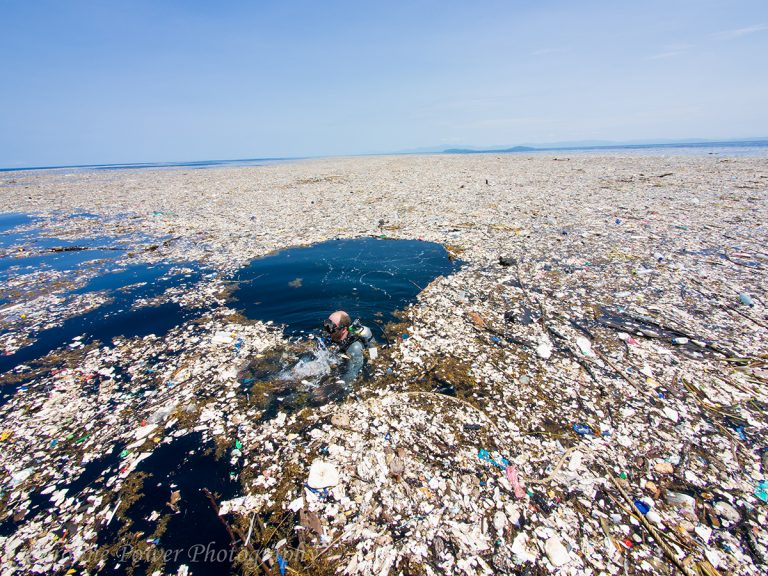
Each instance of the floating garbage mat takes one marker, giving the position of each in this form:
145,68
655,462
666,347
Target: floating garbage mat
370,278
585,394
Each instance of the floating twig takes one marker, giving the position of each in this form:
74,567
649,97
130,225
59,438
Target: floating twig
656,536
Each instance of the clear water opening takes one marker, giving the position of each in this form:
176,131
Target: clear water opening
370,278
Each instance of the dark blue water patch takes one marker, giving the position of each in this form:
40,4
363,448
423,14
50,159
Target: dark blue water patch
195,530
8,239
46,253
92,243
370,278
32,241
116,318
11,220
157,165
60,261
130,275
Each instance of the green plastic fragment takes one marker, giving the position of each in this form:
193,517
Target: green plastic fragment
238,444
623,475
124,453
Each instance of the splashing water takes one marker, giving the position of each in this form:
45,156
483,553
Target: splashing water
313,366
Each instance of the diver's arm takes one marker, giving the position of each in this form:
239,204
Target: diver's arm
355,363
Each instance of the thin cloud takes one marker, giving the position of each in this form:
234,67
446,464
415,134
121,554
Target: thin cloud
666,55
671,51
739,32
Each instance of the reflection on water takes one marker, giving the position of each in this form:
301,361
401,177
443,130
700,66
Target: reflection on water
370,278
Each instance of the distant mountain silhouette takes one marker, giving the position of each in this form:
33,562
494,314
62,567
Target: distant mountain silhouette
603,145
502,150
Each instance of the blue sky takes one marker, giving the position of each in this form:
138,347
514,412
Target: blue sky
102,82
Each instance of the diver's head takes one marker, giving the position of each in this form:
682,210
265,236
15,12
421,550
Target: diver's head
337,325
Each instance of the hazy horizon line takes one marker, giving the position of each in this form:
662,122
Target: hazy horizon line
572,144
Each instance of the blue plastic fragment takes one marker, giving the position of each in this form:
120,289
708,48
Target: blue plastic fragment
322,494
582,429
761,491
642,507
282,563
388,437
247,380
618,221
484,455
740,431
54,442
746,299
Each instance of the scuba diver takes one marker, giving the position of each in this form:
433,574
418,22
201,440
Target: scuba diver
351,338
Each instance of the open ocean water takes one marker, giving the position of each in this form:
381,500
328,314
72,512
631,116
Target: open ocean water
739,148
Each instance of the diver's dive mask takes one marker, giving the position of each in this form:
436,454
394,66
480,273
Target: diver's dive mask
331,328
